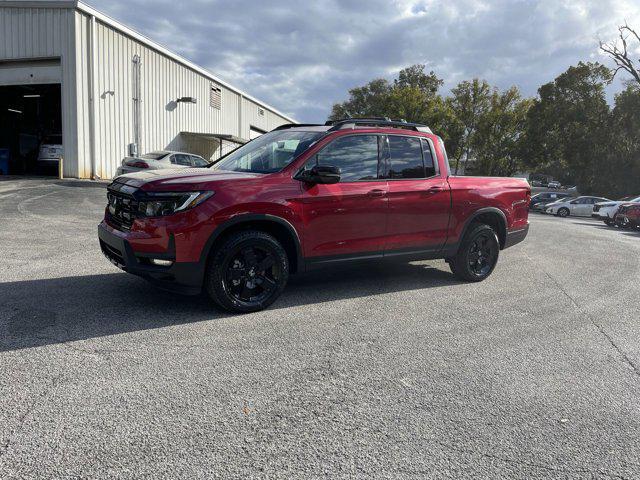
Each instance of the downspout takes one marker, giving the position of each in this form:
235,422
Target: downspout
92,104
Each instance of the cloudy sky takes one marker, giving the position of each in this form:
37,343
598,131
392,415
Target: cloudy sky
301,57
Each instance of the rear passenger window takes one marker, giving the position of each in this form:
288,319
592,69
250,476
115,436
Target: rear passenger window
356,156
182,160
430,164
405,158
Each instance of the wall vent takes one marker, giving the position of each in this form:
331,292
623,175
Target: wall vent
215,97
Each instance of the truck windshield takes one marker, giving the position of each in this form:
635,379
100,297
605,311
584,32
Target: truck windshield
268,153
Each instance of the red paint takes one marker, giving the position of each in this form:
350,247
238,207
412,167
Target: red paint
338,219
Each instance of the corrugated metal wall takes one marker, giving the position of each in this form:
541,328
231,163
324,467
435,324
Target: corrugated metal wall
27,33
163,81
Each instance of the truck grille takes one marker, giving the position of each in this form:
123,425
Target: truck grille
122,210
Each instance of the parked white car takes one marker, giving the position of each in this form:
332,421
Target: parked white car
50,151
160,159
579,207
605,211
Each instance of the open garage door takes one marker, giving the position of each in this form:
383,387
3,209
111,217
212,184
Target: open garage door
30,129
35,72
30,118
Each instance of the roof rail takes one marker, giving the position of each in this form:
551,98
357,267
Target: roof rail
376,122
294,125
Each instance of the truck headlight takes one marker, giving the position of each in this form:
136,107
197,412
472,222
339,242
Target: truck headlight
160,204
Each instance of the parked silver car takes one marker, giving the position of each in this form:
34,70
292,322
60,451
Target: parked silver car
160,159
50,151
580,206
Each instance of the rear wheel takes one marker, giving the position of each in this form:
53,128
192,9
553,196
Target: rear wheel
563,212
248,272
477,255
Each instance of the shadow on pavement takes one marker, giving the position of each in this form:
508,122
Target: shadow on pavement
58,310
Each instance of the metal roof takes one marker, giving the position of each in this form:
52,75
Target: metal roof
83,7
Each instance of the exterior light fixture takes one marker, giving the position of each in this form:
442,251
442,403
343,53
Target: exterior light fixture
187,100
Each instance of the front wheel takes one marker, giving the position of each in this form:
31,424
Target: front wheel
477,255
563,212
248,272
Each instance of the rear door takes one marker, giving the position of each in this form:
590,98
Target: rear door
346,219
584,206
419,196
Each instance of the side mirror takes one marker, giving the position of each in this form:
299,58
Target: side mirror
324,174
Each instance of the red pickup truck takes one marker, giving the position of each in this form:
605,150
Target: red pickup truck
302,196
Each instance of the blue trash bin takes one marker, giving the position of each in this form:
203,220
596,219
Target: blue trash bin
4,161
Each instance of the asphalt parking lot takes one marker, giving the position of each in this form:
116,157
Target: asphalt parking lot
383,371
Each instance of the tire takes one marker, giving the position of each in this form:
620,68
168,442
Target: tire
563,212
247,272
470,265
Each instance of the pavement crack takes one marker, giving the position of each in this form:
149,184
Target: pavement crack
4,448
542,466
635,368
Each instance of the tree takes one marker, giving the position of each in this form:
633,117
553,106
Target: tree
618,51
409,97
621,169
497,142
470,101
566,131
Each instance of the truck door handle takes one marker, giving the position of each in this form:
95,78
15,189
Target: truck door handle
434,189
376,193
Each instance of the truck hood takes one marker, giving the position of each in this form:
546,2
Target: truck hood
179,178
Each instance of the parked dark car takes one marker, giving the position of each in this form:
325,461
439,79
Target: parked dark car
628,215
539,201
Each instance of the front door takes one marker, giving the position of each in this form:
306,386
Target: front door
419,196
346,219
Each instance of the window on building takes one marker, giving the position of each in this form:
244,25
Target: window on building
215,97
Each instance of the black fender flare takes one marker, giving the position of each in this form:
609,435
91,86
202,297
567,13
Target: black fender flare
248,218
482,211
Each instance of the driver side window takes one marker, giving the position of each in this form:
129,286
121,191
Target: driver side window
355,155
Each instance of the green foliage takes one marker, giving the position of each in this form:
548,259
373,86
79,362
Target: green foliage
568,131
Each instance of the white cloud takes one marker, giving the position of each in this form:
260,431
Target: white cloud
303,56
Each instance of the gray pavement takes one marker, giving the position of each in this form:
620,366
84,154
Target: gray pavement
376,372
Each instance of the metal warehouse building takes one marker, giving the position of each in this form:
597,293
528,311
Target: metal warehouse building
67,68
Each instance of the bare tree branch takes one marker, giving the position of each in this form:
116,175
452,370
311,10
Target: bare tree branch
621,55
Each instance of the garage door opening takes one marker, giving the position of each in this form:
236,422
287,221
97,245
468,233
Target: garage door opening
30,129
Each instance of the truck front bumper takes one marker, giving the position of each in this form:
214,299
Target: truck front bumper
181,277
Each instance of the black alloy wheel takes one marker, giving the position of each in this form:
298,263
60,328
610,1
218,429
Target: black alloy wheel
477,255
483,253
248,272
251,275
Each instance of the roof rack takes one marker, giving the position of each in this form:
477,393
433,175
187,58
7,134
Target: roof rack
376,122
294,125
